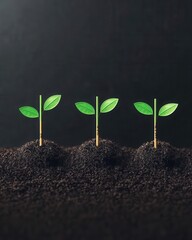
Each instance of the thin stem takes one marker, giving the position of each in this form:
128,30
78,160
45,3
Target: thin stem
155,123
40,122
97,121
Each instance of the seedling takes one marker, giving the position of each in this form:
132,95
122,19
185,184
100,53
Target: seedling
32,112
107,106
164,111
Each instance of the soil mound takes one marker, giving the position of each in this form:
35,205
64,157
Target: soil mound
164,156
48,155
106,154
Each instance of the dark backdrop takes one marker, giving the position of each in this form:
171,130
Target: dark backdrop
135,50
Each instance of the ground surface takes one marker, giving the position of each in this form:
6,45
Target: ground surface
87,193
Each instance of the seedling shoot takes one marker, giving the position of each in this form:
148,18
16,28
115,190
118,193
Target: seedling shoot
31,112
164,111
107,106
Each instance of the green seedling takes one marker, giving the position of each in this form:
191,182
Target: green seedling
164,111
107,106
32,112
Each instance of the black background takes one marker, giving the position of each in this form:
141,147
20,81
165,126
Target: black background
135,50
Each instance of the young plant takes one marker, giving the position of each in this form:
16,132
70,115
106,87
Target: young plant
164,111
107,106
31,112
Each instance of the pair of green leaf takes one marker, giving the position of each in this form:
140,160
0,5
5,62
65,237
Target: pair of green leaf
107,106
164,111
49,104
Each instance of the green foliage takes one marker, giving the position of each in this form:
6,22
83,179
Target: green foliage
143,108
108,105
164,111
29,112
51,102
85,108
167,109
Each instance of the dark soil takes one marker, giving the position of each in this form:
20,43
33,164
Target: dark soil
89,156
50,154
84,192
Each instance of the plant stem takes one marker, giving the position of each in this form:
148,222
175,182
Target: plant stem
40,122
97,121
155,123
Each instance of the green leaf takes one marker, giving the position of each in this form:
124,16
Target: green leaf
85,108
51,102
29,112
167,109
143,108
108,105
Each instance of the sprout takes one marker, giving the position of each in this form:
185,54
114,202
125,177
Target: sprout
164,111
107,106
31,112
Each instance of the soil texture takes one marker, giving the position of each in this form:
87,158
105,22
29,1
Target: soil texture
84,192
